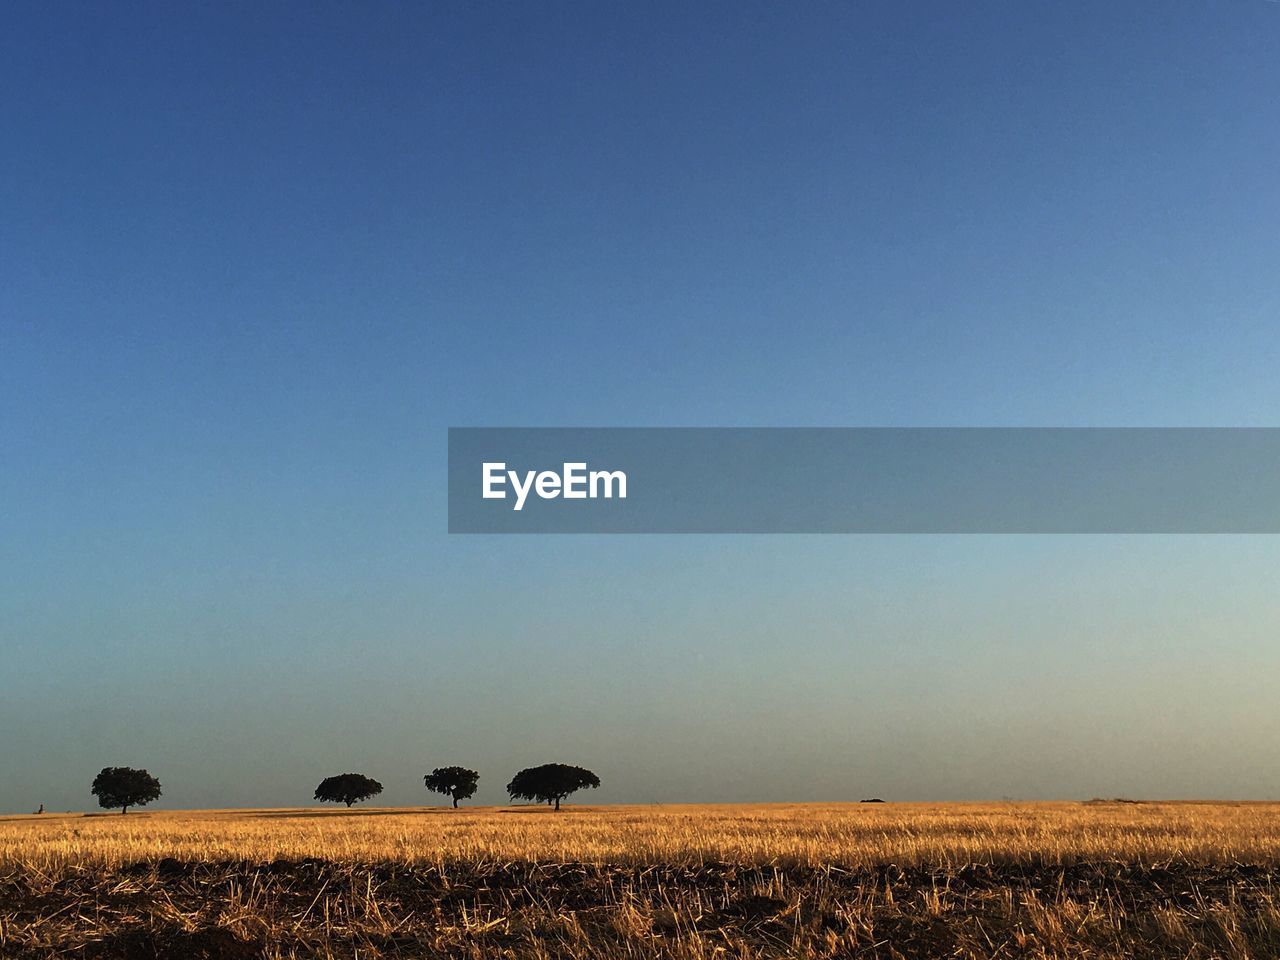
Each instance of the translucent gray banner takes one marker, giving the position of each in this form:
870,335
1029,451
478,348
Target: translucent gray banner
864,480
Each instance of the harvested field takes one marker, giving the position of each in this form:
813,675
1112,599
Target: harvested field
992,880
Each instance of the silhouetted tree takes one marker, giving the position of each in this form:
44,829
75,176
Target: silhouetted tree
347,788
456,782
124,787
551,782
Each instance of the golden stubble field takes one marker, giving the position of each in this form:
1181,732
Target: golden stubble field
847,835
1082,880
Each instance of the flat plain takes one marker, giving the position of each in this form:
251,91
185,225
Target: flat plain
1087,880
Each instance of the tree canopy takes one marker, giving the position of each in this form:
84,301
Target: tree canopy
456,782
347,788
550,783
124,787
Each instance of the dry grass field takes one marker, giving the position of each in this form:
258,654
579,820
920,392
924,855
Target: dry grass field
1094,880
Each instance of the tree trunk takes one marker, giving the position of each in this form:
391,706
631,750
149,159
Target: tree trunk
557,803
124,810
455,803
348,803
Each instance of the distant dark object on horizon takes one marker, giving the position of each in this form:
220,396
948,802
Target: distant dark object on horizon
456,782
550,783
872,800
1097,800
123,787
347,788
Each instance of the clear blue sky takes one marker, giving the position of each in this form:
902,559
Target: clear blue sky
255,259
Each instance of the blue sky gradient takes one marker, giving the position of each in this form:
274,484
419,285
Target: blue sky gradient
254,260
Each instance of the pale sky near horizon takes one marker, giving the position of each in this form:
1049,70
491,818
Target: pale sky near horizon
254,261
